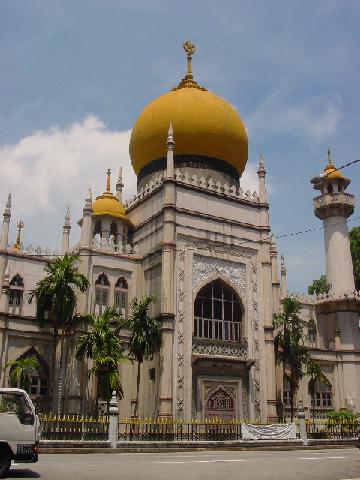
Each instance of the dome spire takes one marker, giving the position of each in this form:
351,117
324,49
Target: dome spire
190,50
188,81
108,173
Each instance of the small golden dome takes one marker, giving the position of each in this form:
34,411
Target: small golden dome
204,124
107,204
330,171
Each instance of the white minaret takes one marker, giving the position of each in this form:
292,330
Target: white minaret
333,206
170,153
4,241
119,186
283,287
5,225
66,233
86,237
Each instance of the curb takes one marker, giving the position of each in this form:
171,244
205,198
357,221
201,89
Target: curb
79,447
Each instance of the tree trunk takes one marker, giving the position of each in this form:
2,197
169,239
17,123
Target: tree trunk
137,390
61,371
53,367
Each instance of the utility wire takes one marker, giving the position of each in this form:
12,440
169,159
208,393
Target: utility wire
288,234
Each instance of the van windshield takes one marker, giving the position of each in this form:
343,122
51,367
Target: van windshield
17,404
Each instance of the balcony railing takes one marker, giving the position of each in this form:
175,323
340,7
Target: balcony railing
213,329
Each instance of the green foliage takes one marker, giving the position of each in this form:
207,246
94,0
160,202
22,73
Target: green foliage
314,371
20,371
56,292
319,286
145,337
102,344
355,253
289,343
342,416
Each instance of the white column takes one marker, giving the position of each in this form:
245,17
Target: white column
5,225
339,266
119,186
65,244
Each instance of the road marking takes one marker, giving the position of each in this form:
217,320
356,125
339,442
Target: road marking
206,461
318,458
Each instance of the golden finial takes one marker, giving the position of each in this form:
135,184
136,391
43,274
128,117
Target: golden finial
188,81
20,225
108,173
190,50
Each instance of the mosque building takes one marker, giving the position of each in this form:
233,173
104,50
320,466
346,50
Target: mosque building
201,244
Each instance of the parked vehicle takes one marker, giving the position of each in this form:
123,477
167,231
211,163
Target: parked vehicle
19,429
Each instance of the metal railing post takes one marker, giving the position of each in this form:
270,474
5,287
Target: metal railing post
113,421
302,424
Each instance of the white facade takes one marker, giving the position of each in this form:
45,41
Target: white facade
185,238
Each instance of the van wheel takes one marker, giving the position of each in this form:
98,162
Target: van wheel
5,462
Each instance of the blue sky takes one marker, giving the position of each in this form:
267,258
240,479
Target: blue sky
76,74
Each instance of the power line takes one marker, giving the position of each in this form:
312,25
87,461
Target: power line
289,234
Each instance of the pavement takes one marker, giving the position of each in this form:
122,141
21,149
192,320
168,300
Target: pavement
327,464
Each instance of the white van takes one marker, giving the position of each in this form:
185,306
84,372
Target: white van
19,429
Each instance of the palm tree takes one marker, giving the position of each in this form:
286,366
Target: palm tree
55,296
289,343
102,344
145,337
20,371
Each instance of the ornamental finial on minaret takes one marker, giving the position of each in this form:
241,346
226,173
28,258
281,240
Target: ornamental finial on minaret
67,217
8,203
261,168
329,157
7,212
170,138
119,186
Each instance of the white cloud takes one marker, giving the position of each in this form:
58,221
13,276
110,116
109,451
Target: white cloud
52,168
314,119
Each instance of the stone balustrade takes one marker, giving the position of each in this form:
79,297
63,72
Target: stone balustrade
341,201
209,184
341,295
217,187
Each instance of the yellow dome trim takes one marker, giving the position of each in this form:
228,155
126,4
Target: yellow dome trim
107,204
204,124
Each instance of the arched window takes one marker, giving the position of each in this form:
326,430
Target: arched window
37,381
217,313
16,291
102,285
121,296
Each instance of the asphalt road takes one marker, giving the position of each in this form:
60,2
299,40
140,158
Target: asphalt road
339,464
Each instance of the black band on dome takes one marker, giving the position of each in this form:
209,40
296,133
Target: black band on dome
194,161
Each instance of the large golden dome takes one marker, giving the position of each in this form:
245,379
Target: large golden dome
203,123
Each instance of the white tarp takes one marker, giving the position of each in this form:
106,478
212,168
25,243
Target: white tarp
275,431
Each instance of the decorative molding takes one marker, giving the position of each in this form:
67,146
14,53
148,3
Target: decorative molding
239,351
206,267
181,359
180,403
180,381
181,336
245,402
